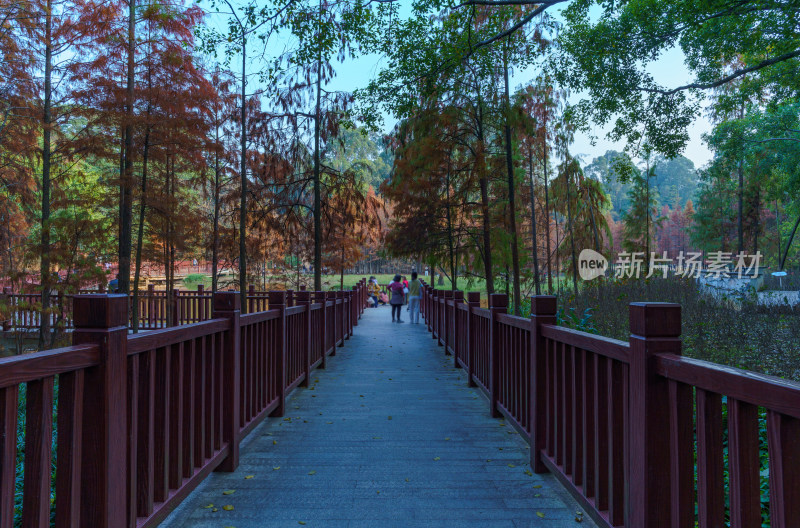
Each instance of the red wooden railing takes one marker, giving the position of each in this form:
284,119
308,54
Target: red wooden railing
157,309
143,419
621,424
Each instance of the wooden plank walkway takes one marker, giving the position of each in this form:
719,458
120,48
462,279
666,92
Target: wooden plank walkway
388,435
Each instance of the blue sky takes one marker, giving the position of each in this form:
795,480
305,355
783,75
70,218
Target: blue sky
670,70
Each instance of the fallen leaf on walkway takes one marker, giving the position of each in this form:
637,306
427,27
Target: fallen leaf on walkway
248,477
488,459
436,458
540,515
537,486
300,522
276,468
274,442
447,438
214,510
390,417
228,507
208,506
377,438
511,465
229,492
528,472
329,422
408,480
312,472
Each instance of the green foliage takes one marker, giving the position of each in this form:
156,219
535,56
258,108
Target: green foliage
627,40
641,218
579,321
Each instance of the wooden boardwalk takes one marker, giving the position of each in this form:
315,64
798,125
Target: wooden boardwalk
388,435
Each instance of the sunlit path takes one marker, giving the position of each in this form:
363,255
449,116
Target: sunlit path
388,435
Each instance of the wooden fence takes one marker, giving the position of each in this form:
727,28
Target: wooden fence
142,419
156,308
641,436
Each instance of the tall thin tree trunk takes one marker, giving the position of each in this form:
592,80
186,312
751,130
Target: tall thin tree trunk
789,243
484,185
547,215
317,191
535,250
140,235
243,188
45,280
215,234
450,244
512,207
126,188
740,174
567,179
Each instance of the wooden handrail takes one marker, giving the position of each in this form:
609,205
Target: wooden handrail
143,419
615,421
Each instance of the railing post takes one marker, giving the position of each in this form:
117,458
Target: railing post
458,298
319,297
355,307
151,303
363,297
498,303
331,296
277,300
201,303
434,313
655,329
543,312
348,314
448,296
5,323
251,299
226,305
343,316
175,307
102,320
473,302
289,298
304,299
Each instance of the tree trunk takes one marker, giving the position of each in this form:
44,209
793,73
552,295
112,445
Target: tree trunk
547,215
567,179
215,234
45,279
535,250
317,191
140,235
512,207
480,166
450,245
126,187
243,188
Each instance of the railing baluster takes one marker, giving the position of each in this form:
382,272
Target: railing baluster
38,445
